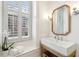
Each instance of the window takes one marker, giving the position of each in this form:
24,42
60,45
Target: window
19,18
13,18
12,25
24,26
25,18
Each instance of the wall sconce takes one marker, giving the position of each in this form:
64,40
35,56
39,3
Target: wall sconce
50,18
75,11
75,7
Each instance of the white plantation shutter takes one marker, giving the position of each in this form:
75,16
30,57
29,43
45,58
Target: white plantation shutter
12,18
26,17
19,19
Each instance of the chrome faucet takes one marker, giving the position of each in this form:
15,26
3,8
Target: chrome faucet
61,38
58,38
55,37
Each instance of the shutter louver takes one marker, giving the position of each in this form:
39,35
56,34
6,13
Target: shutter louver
26,9
12,18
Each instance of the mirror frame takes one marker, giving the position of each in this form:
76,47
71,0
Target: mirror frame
69,20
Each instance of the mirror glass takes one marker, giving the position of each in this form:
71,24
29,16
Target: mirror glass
61,20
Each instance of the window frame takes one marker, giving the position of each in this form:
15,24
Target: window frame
5,23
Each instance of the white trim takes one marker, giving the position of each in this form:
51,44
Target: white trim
25,36
0,23
12,38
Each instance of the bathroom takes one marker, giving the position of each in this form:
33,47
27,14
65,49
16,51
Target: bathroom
39,25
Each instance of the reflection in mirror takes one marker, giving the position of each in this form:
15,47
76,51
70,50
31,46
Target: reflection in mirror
61,20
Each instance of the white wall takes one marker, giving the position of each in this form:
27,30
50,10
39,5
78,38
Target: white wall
46,9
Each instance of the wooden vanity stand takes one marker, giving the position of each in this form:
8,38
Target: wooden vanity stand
47,52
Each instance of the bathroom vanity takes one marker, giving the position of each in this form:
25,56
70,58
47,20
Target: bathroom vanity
57,48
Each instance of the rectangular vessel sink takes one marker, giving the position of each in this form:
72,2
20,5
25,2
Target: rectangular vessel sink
63,47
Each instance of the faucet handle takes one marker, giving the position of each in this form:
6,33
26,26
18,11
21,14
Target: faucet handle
55,37
58,37
61,38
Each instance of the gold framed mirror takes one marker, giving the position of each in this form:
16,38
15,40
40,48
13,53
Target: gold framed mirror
61,20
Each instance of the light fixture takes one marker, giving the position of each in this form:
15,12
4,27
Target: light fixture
75,7
75,11
50,18
45,16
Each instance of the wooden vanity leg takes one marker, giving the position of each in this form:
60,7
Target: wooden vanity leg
41,48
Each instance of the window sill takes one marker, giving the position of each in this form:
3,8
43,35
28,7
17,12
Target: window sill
12,38
26,51
17,54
